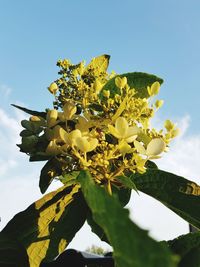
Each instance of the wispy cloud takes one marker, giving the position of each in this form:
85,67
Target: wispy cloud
5,90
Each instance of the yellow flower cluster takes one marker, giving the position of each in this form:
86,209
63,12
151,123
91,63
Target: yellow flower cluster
100,128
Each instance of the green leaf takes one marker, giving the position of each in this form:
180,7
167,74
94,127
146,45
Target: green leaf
50,170
96,229
191,259
28,143
12,253
132,246
25,133
122,194
127,182
96,107
183,244
177,193
33,127
137,80
151,165
47,226
69,178
188,248
39,156
31,112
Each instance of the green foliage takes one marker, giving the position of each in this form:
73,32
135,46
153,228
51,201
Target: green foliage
126,182
31,112
12,253
48,225
129,250
188,248
137,80
50,170
177,193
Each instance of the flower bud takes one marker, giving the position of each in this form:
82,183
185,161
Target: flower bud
69,110
120,82
51,118
53,88
159,103
154,89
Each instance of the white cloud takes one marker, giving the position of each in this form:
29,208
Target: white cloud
19,183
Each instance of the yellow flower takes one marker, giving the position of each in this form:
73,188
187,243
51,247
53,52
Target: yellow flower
54,134
154,148
83,125
97,86
122,131
169,125
159,103
124,148
120,82
154,89
51,117
53,149
53,88
86,144
69,110
106,93
75,138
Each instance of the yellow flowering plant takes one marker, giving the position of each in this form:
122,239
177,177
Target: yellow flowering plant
98,141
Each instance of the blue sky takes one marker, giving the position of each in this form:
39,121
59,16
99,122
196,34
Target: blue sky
158,37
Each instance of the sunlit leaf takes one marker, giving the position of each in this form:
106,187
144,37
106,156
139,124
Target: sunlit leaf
47,226
132,246
101,63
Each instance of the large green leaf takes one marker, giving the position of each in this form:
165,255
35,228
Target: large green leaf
123,195
188,248
48,225
96,229
183,244
31,112
132,246
177,193
12,253
137,80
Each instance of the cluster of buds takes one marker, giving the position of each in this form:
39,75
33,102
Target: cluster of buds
100,122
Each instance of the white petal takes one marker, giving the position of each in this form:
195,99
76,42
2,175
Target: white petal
113,131
131,138
82,143
93,142
134,130
155,147
139,147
